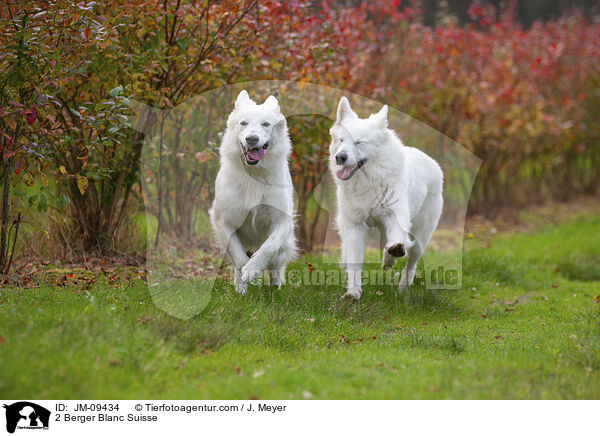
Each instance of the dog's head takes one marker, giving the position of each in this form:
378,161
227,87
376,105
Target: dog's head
255,127
354,140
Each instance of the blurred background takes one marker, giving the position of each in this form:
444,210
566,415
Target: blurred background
515,82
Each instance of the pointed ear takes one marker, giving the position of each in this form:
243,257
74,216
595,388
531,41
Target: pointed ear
280,120
272,101
344,110
242,99
381,117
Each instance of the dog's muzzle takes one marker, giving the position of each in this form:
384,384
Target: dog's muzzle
348,171
254,155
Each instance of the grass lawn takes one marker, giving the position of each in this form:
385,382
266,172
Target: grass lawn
526,324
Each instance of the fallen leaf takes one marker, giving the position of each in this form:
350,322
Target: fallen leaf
258,373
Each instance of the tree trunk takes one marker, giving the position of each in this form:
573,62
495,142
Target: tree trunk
5,214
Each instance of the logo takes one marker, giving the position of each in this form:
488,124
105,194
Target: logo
26,415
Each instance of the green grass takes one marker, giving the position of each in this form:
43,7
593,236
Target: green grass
524,325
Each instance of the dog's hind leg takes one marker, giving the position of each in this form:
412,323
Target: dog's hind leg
276,269
278,263
408,273
426,222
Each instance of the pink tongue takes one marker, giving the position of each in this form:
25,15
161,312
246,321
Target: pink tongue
257,153
345,172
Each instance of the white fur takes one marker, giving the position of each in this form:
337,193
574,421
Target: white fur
398,189
253,208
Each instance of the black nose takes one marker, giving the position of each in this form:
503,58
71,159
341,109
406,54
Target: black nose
252,140
341,157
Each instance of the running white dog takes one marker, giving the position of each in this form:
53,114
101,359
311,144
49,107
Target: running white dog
253,208
381,182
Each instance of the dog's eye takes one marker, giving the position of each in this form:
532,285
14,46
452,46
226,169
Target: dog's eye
266,124
341,139
244,123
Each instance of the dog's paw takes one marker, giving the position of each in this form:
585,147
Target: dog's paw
241,288
352,294
396,250
402,284
388,261
249,272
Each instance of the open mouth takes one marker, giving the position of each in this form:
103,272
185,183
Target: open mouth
254,155
346,172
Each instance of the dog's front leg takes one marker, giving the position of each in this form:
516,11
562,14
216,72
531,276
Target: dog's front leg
238,256
353,252
397,226
270,248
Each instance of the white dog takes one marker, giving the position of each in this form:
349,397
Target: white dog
383,183
253,208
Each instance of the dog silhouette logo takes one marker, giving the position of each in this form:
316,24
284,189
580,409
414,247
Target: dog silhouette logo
26,415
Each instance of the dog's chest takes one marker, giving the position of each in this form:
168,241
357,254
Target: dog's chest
258,224
369,202
255,192
360,198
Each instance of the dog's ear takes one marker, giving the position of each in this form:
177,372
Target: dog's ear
242,99
344,110
381,117
274,104
280,119
272,101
